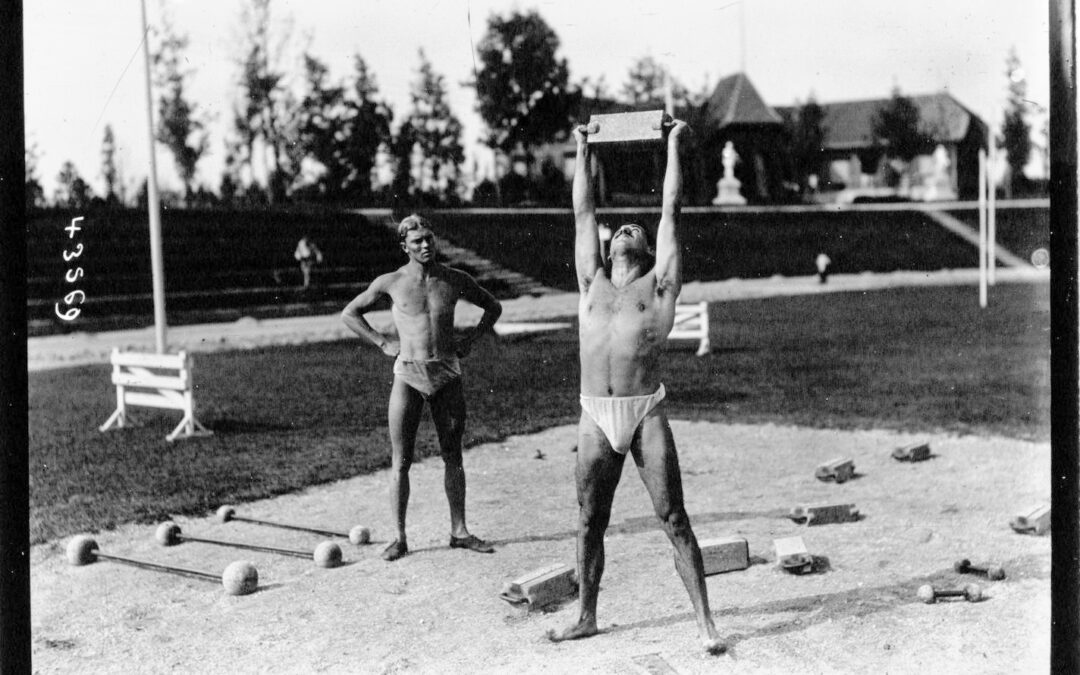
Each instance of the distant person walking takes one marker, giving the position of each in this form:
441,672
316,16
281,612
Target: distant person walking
822,261
307,253
422,295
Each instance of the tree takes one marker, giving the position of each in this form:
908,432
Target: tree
366,130
521,87
72,191
647,83
807,133
1015,130
35,194
897,127
109,172
321,122
180,126
594,89
264,119
431,135
342,130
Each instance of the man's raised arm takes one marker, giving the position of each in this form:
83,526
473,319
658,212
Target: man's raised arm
587,241
668,246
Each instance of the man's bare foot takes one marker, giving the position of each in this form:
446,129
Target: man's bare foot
714,646
582,629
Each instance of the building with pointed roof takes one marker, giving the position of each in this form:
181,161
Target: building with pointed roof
736,113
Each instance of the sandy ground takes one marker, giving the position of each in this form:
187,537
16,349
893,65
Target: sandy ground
438,610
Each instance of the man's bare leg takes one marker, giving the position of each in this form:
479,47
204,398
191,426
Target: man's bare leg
658,464
448,413
406,406
598,471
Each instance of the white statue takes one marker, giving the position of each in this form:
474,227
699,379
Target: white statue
939,186
728,186
728,156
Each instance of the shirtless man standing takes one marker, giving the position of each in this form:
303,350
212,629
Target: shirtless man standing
423,294
625,315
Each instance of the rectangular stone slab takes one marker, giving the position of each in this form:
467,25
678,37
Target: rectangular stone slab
916,452
825,514
630,127
791,554
1035,520
542,586
724,554
839,470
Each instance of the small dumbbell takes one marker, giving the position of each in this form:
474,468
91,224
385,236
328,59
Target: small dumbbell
930,595
991,572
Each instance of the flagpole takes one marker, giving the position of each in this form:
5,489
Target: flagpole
157,265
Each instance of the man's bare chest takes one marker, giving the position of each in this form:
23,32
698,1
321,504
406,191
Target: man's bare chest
431,296
608,308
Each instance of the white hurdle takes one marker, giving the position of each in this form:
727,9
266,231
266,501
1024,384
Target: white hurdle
692,323
171,388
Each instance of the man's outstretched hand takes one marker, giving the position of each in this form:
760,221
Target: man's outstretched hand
581,134
678,128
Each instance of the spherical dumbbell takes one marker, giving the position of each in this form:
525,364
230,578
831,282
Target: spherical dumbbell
357,535
991,572
239,578
326,554
930,595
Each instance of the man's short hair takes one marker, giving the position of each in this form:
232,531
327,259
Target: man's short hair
410,223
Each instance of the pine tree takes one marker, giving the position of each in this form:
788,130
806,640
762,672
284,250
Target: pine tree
807,133
366,131
646,86
265,119
72,191
431,134
181,128
109,172
1015,129
35,194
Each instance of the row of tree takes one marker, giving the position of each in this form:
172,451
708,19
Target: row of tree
335,141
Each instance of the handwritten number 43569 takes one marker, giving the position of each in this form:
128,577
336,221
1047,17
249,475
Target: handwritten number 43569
75,297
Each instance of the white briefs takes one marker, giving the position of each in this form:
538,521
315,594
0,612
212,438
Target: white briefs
620,416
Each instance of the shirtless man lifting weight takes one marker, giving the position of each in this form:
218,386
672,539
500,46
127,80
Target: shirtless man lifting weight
625,314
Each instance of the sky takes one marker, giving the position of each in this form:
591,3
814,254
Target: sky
84,68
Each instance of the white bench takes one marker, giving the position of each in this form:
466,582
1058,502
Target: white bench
154,381
692,323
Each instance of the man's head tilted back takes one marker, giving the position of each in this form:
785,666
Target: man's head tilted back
634,240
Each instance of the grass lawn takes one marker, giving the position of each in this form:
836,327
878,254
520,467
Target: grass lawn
920,359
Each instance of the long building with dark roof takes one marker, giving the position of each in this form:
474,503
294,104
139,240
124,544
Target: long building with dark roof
854,159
